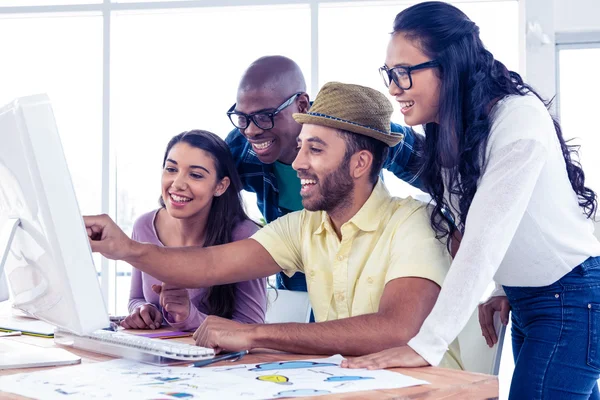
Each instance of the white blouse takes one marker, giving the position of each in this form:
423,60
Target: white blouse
524,226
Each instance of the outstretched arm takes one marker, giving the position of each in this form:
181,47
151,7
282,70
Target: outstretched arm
405,304
189,267
194,267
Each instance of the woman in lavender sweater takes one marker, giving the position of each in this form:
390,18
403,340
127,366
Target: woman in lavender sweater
201,206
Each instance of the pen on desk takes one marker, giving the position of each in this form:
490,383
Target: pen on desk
229,356
115,322
116,319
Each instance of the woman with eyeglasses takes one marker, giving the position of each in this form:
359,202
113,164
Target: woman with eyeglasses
497,162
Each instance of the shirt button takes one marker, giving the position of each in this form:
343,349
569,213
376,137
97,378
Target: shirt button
370,280
557,295
340,257
341,297
312,273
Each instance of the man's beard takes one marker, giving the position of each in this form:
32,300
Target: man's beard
335,190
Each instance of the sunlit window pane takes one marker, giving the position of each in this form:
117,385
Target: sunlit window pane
579,104
61,55
177,71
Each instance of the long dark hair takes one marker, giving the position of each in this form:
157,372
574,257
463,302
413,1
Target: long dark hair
471,82
226,210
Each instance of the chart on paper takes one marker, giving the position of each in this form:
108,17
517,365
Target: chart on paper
128,379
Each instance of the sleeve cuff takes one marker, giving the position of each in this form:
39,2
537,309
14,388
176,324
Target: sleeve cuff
138,303
429,346
498,291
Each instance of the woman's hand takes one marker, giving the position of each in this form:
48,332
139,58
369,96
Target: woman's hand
486,317
145,316
174,300
402,356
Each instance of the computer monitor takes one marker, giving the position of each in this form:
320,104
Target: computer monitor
44,250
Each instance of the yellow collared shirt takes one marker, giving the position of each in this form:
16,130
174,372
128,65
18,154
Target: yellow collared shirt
388,238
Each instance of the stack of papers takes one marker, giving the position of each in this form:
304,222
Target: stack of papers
27,326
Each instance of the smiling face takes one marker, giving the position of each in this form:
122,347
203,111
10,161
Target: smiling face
323,169
420,103
279,142
189,182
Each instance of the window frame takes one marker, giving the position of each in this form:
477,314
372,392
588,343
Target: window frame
580,40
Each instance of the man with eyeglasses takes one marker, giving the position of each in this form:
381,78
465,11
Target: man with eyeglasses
264,141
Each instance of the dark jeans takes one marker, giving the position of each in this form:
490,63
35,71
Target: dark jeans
296,283
556,337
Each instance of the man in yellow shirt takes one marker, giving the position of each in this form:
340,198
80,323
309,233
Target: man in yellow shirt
373,265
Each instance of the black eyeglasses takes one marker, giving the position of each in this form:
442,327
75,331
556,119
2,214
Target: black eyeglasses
401,75
263,119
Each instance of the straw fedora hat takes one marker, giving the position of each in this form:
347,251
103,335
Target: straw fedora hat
353,108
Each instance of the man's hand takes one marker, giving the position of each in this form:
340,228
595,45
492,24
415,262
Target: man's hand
402,356
223,334
107,238
174,300
486,317
143,317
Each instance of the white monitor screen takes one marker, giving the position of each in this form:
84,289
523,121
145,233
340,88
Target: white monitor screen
49,265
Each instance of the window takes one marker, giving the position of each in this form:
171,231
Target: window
176,78
578,90
45,56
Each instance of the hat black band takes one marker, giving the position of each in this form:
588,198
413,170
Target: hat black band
350,122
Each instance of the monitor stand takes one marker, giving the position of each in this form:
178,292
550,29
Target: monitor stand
19,355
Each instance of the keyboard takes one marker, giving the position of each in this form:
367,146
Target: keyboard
139,348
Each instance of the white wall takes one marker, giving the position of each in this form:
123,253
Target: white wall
538,50
554,17
576,15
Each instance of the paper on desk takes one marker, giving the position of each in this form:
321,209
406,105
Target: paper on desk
316,376
117,379
10,333
132,380
27,326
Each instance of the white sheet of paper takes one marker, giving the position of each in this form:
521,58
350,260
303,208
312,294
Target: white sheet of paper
26,325
317,376
12,333
132,380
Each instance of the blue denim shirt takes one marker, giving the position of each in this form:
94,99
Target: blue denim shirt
260,178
